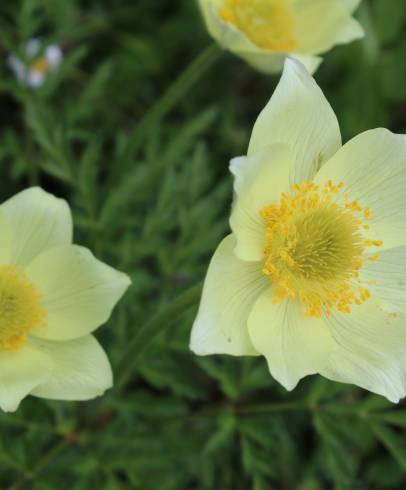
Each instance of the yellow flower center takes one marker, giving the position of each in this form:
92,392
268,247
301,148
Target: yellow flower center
269,24
41,65
315,248
20,310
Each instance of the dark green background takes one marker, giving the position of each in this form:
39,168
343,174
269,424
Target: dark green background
151,197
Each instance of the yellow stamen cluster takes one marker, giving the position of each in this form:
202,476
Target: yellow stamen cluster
41,65
269,24
20,310
315,248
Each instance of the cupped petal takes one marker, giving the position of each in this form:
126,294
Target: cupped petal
39,221
79,292
373,168
81,370
230,289
335,26
260,180
294,345
299,115
370,350
385,277
20,373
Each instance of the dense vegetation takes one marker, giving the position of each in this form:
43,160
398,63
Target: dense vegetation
150,192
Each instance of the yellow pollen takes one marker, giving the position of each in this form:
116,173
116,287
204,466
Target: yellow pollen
315,248
269,24
41,65
20,310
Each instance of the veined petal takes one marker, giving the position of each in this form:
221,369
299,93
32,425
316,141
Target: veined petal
38,221
81,370
386,278
294,345
230,289
299,115
336,26
259,182
373,169
79,292
20,373
370,350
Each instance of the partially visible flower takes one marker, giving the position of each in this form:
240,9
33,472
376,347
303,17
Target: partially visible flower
53,295
313,276
264,32
34,71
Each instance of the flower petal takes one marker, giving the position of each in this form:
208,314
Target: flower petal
373,169
299,115
260,179
5,242
310,62
230,289
386,278
294,345
351,5
336,27
39,221
20,373
370,350
81,370
79,292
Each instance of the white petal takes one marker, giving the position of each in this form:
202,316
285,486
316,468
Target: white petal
81,370
53,56
299,115
230,289
335,27
386,278
260,180
5,240
39,221
373,169
35,78
351,5
370,350
20,373
18,67
33,47
310,62
79,292
294,345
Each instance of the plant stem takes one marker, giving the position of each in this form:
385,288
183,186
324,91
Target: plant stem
151,329
173,95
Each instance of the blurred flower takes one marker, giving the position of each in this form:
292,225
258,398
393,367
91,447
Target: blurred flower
52,296
34,71
313,276
264,32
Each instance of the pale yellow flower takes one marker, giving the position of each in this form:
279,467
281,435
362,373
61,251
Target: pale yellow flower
53,295
313,276
264,32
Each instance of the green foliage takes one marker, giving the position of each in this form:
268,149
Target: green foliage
154,202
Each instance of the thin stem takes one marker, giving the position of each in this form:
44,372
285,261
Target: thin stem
151,329
173,95
42,464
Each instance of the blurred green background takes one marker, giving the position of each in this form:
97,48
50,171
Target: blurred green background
150,192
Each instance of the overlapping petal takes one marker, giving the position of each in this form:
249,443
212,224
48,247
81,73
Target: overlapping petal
231,288
38,221
79,292
373,169
20,373
300,116
294,345
334,26
266,174
370,350
81,370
